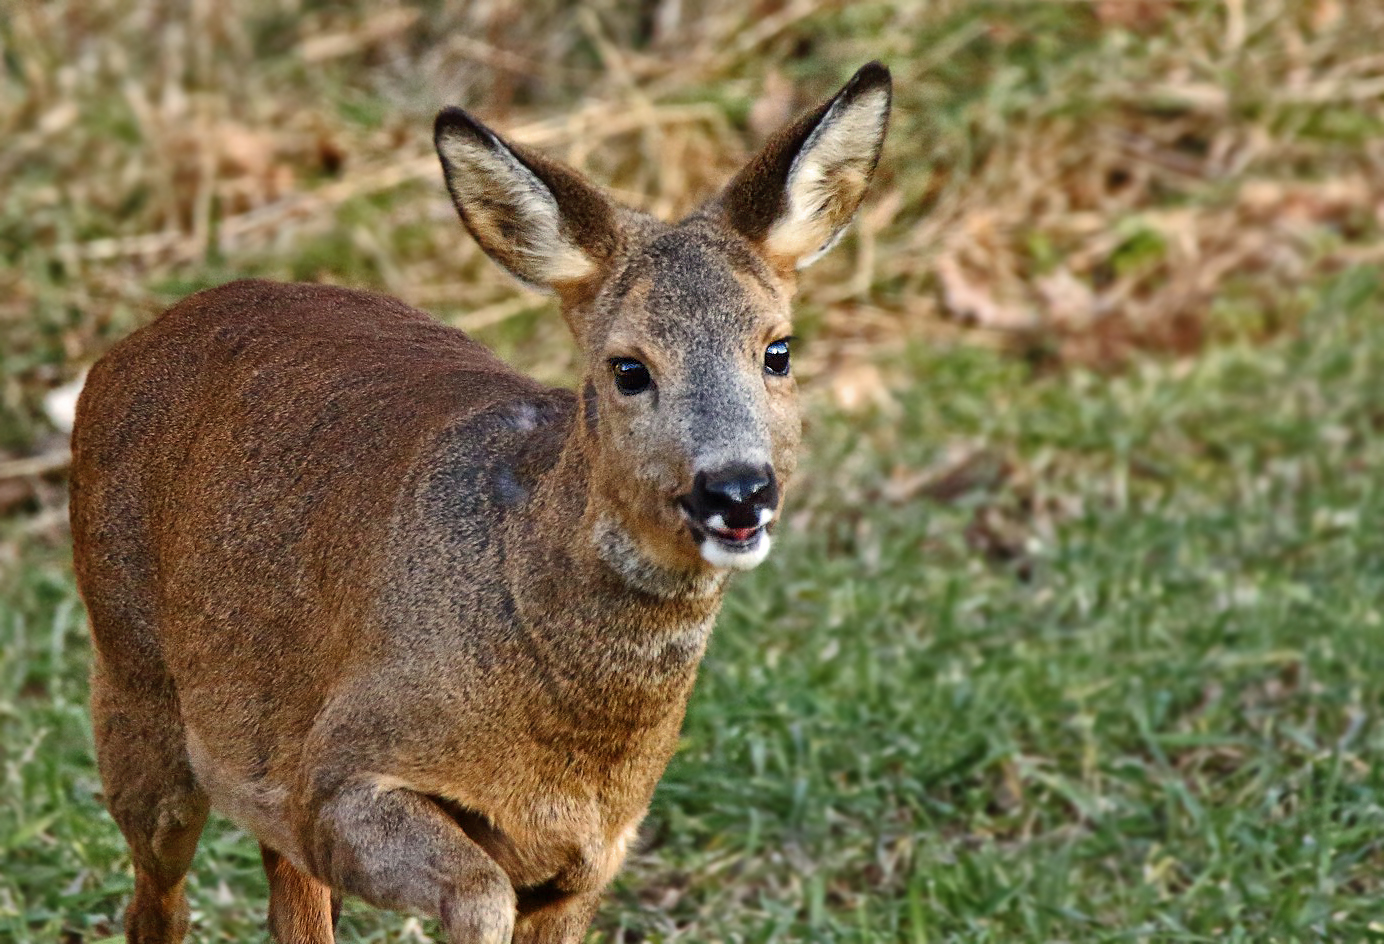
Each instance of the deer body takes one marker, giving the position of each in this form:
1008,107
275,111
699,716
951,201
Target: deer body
423,626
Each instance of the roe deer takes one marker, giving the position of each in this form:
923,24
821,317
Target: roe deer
423,626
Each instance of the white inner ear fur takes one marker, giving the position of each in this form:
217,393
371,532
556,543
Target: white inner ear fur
827,179
494,188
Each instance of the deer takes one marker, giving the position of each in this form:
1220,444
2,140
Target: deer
423,626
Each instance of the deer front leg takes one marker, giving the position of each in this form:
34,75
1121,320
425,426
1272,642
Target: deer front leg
397,849
555,920
301,909
560,910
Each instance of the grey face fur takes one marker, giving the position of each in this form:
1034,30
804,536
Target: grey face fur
698,309
689,468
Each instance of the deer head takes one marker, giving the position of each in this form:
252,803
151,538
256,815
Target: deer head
688,411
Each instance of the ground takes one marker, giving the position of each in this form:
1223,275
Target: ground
1073,631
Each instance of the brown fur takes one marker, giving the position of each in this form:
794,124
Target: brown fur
422,625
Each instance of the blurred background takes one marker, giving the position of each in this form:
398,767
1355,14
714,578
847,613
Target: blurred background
1074,630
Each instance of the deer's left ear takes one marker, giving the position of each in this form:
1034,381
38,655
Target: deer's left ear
796,197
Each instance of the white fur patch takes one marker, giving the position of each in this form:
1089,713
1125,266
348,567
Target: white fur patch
524,417
718,555
623,555
718,520
61,403
828,178
494,187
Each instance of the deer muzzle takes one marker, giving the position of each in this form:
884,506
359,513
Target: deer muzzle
729,511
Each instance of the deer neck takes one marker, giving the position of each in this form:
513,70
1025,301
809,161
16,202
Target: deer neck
589,575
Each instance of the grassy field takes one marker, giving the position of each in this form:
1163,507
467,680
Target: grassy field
1075,631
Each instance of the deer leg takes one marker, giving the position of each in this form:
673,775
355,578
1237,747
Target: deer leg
398,849
561,909
301,909
555,919
153,797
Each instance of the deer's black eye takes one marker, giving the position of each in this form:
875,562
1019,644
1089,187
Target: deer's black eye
631,377
776,357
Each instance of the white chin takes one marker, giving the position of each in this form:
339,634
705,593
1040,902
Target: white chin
736,558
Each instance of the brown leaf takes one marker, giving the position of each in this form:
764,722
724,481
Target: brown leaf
774,106
860,385
961,471
971,303
1140,16
1070,302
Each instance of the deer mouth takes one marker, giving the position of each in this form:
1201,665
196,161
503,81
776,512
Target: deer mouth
734,537
721,545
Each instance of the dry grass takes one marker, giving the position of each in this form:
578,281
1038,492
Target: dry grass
1082,179
1075,182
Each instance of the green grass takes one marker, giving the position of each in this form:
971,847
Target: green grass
1125,681
1149,710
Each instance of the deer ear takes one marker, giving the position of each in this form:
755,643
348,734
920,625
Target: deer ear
538,218
796,197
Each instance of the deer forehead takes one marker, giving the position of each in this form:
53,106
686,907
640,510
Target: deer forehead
692,295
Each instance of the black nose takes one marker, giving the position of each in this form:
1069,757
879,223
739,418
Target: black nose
736,492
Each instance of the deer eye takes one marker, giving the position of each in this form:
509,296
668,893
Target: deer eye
631,377
776,357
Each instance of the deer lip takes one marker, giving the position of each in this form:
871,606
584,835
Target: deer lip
732,538
735,535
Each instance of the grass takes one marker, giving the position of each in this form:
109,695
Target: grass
1159,721
1151,712
1074,632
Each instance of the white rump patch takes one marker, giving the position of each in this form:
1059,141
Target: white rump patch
60,403
511,210
828,177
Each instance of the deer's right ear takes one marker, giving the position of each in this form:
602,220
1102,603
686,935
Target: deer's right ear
536,217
